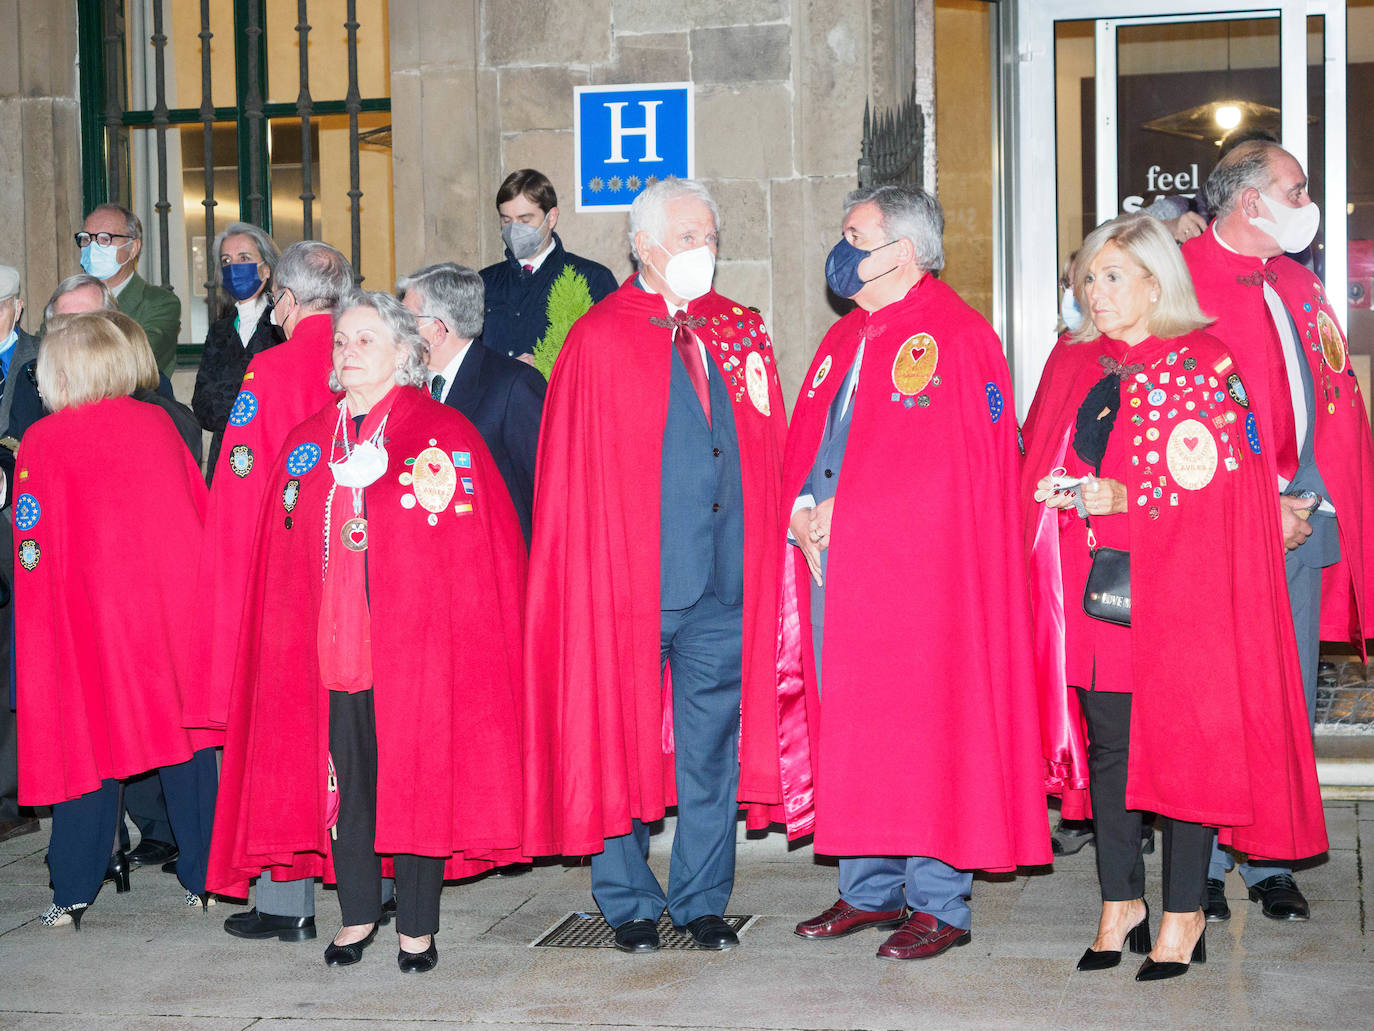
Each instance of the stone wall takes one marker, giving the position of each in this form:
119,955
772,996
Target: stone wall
40,154
482,87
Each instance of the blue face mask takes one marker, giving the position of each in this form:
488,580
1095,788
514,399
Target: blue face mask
241,280
100,260
842,267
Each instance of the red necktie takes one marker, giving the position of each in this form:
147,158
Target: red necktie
528,268
686,343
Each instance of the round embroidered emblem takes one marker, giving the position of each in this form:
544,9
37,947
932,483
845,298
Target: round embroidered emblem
915,363
26,512
1333,345
994,401
245,407
1252,433
435,479
1191,455
302,459
241,460
28,553
756,382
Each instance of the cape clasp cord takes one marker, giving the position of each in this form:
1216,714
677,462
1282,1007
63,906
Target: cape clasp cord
1111,365
690,321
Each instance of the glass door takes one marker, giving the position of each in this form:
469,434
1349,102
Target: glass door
1134,103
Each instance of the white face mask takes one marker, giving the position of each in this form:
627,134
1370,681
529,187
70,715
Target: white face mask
101,260
1291,228
689,274
364,466
1069,311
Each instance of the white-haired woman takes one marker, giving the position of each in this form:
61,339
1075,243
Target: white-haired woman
1153,504
247,257
376,721
107,524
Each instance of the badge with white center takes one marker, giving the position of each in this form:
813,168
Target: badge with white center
290,494
28,554
822,372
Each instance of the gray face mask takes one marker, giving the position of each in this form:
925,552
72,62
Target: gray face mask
521,240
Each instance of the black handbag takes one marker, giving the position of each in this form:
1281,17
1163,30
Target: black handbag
1107,594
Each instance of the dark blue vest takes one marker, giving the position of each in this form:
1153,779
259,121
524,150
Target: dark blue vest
701,521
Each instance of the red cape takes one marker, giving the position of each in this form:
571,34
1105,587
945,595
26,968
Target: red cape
592,647
1219,730
282,387
1229,288
107,524
445,600
925,740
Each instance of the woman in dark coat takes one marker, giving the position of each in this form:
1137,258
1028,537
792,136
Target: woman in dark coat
246,257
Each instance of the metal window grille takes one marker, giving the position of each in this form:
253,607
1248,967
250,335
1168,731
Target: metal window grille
108,119
892,152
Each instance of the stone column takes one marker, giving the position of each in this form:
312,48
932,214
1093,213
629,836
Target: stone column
445,128
40,148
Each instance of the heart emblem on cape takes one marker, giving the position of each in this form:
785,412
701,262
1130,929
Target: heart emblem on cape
1190,443
434,467
358,537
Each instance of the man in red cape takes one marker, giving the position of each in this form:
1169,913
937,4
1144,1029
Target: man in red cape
281,388
1273,315
657,502
905,680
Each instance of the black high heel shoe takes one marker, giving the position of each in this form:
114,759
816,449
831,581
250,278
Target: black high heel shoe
1152,971
118,871
1137,939
56,916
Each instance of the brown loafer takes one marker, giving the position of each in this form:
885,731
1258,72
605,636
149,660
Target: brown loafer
842,918
921,937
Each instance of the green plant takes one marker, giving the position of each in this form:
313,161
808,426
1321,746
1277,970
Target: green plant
569,300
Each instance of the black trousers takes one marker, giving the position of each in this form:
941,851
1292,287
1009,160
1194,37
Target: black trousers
357,866
1120,866
83,828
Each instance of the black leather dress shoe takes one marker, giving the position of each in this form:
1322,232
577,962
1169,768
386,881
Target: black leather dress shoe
637,936
253,924
1279,898
711,932
18,827
1215,907
347,955
418,962
152,853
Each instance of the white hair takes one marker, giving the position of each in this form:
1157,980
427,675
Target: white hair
649,212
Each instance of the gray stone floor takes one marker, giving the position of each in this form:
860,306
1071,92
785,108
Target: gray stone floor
143,961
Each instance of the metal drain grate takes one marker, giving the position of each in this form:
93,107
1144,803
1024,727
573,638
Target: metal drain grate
1345,697
590,931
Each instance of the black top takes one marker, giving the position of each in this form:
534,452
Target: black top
222,365
517,301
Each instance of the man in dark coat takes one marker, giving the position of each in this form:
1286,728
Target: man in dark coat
517,289
502,397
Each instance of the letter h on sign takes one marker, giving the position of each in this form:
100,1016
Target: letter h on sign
627,137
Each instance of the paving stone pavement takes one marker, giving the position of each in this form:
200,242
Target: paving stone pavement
143,961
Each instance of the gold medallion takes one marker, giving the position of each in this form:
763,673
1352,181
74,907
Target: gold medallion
434,479
915,364
1333,344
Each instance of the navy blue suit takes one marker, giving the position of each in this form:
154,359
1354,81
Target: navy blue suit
701,594
504,399
517,302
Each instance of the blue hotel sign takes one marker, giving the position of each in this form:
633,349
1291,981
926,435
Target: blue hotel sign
627,137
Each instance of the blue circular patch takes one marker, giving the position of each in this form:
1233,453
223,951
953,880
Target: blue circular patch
245,407
1252,433
26,512
302,459
994,401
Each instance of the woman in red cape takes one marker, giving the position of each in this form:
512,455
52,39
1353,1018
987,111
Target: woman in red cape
107,520
380,659
1195,710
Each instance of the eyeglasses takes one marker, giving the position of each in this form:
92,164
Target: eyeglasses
433,318
104,239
